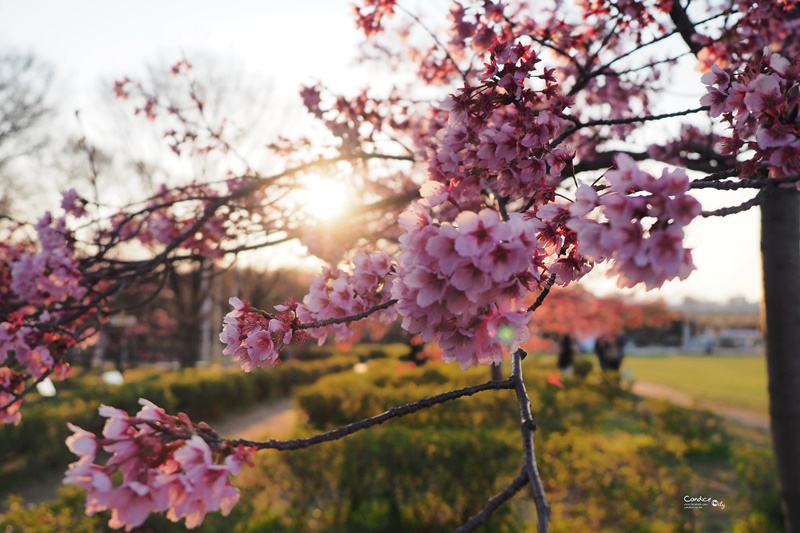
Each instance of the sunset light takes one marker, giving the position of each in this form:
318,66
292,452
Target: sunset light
324,199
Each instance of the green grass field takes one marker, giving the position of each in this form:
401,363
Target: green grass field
736,381
730,380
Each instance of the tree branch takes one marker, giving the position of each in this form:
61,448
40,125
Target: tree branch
540,299
613,121
527,427
744,206
494,503
748,183
346,319
395,412
685,26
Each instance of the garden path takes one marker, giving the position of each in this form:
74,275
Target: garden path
740,416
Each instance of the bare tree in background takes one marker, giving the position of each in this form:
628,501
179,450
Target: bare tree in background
24,85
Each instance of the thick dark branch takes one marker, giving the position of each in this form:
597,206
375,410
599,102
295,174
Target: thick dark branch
494,503
721,175
684,26
395,412
749,183
744,206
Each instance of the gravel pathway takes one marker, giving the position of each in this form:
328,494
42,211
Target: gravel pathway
270,420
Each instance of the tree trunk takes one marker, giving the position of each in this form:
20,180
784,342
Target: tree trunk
188,303
780,248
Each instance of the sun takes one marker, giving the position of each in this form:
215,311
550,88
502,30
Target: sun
324,199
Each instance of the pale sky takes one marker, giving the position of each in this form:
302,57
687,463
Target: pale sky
290,43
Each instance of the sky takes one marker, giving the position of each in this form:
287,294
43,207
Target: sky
290,43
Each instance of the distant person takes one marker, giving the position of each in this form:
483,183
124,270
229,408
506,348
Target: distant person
708,345
566,355
610,351
416,352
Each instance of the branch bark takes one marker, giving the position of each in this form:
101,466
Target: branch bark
528,426
395,412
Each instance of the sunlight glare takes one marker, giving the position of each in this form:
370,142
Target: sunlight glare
325,199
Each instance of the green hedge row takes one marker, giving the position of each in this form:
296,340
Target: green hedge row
203,394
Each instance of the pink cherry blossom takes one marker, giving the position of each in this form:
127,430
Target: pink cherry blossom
337,293
186,479
649,255
471,280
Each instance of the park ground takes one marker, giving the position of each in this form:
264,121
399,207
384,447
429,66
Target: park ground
731,386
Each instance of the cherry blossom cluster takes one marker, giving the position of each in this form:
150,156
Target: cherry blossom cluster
254,338
498,134
462,284
336,294
559,243
41,286
50,274
639,225
369,18
39,353
158,463
171,214
761,106
758,24
356,120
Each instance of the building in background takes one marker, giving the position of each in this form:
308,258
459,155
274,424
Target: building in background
708,327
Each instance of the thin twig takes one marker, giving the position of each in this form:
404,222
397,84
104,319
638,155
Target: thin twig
346,319
540,299
615,121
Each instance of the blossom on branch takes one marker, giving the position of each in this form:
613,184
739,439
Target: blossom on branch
255,339
760,104
165,463
462,284
337,294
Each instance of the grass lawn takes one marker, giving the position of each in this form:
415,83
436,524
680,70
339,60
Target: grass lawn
736,381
